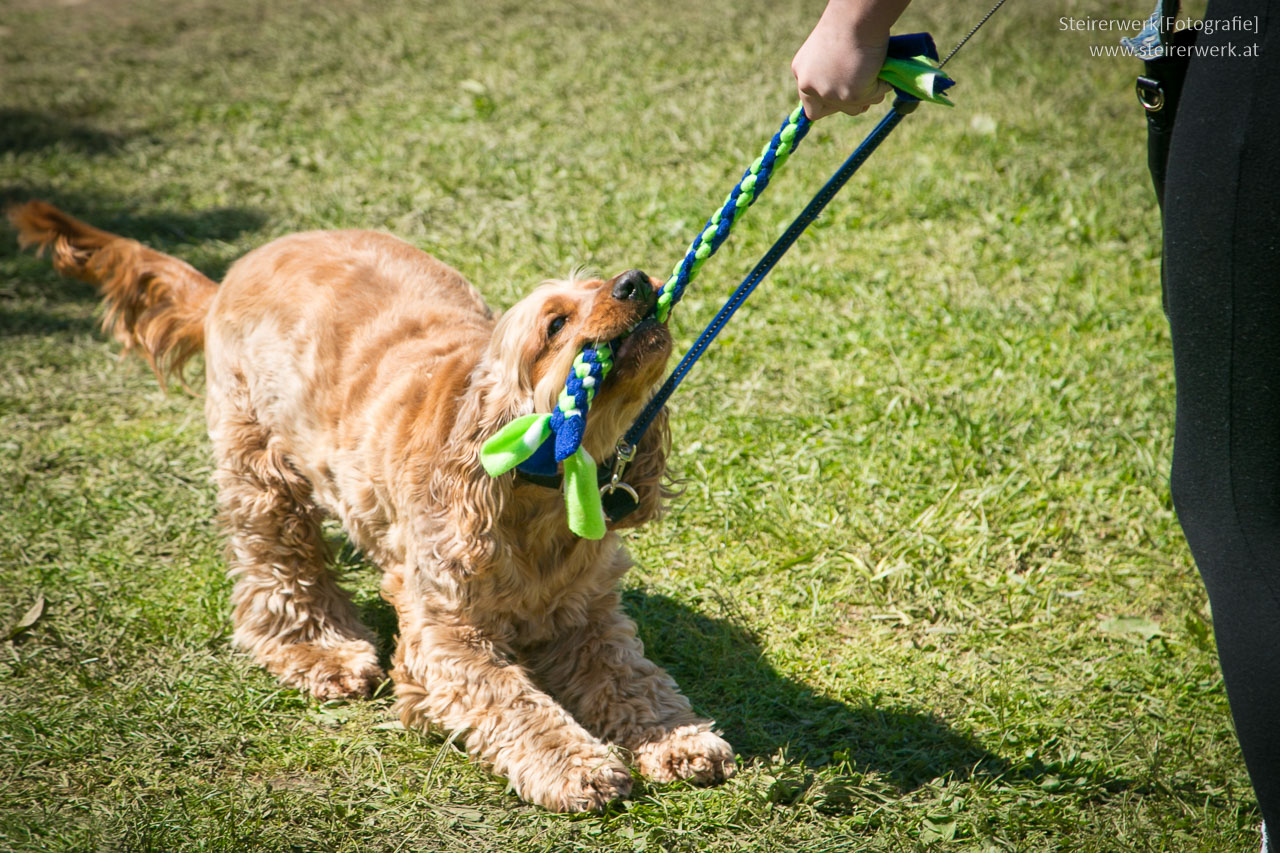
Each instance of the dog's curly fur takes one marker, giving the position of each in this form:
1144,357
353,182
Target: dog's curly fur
348,373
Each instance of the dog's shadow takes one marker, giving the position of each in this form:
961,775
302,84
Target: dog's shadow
721,668
719,665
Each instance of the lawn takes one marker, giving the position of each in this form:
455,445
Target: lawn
925,571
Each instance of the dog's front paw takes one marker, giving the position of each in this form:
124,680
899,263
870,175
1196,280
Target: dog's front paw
691,752
341,671
592,778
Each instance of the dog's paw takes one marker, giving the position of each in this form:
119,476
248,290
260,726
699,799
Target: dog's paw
594,778
693,753
344,682
346,671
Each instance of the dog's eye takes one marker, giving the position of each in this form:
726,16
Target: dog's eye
556,325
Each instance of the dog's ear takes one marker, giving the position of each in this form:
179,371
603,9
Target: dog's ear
460,528
466,534
647,474
507,370
509,386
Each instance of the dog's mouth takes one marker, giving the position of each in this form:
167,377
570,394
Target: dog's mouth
639,343
647,344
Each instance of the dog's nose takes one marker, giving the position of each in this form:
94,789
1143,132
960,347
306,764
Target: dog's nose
633,284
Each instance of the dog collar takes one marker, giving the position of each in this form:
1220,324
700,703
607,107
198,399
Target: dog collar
617,498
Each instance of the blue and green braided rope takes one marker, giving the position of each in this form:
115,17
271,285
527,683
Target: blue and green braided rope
743,194
519,440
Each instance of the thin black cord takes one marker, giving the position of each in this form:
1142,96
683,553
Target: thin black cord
976,27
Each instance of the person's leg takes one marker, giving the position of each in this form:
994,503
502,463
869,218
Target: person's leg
1222,260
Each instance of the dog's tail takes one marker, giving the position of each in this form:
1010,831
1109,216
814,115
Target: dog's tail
152,301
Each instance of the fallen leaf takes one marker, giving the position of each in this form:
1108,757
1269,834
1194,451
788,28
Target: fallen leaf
938,829
29,618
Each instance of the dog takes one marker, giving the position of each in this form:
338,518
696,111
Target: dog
349,374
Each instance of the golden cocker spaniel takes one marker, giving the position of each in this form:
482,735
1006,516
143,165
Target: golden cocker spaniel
350,374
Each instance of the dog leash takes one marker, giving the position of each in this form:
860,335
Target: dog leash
537,442
903,105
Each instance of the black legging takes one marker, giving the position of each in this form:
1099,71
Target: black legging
1222,262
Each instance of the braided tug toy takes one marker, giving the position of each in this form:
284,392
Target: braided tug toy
541,443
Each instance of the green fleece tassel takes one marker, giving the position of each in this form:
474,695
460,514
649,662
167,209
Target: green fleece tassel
582,496
514,443
918,76
518,440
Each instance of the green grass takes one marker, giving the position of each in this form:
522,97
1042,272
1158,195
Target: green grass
925,572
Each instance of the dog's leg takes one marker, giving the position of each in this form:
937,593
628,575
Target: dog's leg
462,680
600,673
289,611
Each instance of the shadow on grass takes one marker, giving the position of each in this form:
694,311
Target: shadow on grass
165,230
720,666
722,670
29,301
32,130
15,322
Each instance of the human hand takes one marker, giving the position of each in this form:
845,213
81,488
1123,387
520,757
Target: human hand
837,67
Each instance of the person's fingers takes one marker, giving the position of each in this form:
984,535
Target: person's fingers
833,78
882,89
814,106
818,102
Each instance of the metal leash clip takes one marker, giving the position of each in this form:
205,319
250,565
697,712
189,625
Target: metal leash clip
625,453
